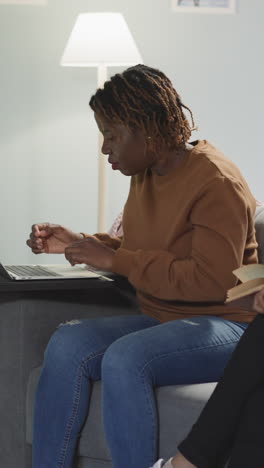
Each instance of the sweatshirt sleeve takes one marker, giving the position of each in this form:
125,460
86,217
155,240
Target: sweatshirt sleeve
219,221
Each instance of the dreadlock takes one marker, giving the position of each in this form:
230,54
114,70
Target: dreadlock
143,98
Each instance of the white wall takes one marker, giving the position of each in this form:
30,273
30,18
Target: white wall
48,140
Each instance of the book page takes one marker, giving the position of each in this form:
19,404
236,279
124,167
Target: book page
245,289
249,272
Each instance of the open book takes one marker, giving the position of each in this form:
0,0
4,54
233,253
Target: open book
252,280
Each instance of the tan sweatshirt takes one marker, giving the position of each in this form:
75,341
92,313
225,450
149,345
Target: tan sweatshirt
184,233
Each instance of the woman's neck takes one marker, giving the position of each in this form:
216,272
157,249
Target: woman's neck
169,160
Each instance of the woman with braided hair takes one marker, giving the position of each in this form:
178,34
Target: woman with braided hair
188,222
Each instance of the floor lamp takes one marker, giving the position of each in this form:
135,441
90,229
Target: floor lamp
100,40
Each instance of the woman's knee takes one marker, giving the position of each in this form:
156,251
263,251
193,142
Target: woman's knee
123,357
63,344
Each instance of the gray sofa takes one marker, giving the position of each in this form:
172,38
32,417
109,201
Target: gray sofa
178,406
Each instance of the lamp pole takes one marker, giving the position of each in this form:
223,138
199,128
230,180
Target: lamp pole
98,39
102,180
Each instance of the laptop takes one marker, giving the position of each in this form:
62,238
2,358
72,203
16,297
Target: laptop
48,272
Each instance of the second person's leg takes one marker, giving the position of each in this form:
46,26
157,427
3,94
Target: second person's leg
248,446
215,430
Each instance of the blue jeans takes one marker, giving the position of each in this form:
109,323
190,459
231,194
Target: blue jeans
132,355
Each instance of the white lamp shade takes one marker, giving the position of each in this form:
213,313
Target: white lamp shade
100,39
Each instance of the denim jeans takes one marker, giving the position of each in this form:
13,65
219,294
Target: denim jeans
132,355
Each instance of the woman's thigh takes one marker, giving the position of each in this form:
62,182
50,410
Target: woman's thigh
183,351
85,341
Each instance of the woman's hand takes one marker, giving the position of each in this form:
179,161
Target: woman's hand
258,303
51,238
92,252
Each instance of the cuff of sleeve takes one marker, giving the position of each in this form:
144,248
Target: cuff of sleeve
123,262
158,464
168,464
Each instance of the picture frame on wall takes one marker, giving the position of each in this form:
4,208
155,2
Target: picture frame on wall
23,2
204,6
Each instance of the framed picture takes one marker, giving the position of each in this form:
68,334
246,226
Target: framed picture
23,2
204,6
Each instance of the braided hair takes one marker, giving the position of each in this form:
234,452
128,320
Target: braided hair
143,98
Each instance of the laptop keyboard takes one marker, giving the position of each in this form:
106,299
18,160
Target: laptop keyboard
24,270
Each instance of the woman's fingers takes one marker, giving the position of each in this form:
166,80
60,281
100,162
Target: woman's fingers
258,304
36,243
90,251
43,229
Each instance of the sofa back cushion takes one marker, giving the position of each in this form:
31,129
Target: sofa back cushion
259,226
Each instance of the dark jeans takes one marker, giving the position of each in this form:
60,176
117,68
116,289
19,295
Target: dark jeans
232,421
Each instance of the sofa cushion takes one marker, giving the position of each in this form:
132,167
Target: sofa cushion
178,408
259,226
